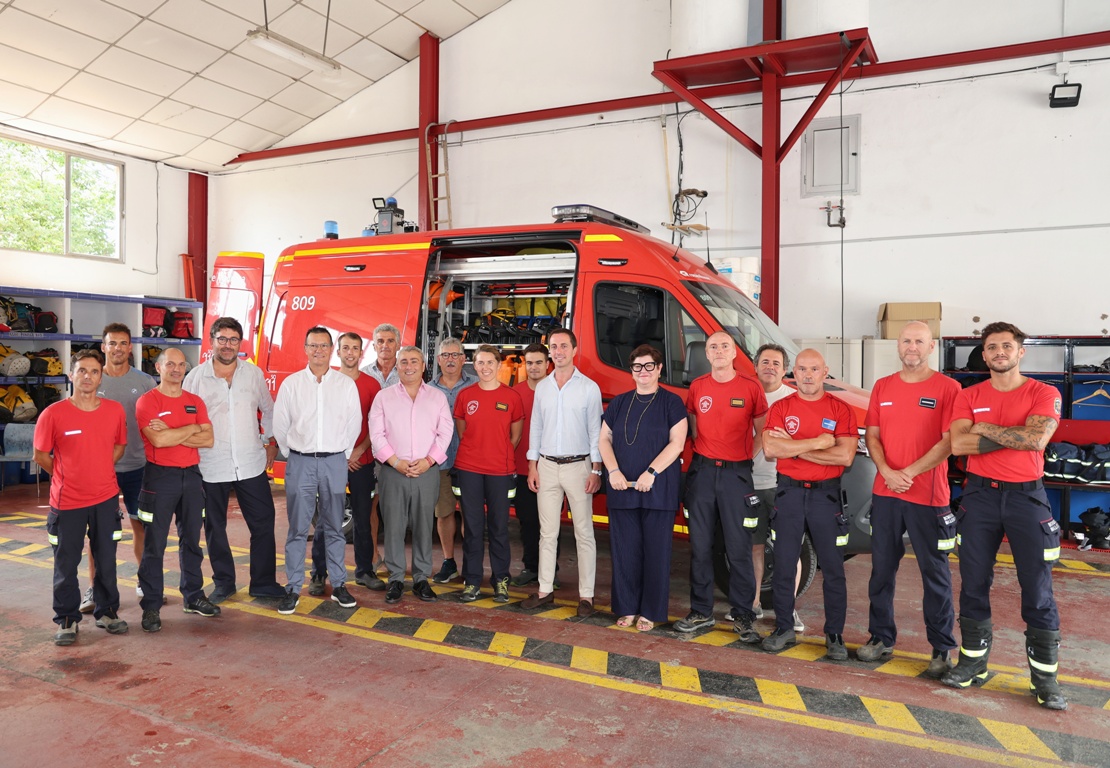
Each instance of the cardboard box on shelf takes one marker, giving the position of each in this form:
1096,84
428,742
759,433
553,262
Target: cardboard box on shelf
894,315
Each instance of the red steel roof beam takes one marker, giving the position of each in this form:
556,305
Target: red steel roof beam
837,76
324,146
714,116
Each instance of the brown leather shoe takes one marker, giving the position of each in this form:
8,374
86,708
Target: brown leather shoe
585,608
535,601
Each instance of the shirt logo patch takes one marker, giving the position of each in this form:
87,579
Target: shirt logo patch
502,406
472,408
828,423
705,403
928,402
190,409
1056,406
792,424
737,402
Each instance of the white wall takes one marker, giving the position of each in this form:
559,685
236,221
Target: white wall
974,193
154,234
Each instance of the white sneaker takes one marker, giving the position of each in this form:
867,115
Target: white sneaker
138,591
758,611
87,602
799,625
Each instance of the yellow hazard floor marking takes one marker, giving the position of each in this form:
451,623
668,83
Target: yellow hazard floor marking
1078,565
29,549
562,612
508,644
1018,738
366,617
681,677
778,694
33,524
789,717
488,602
435,631
589,660
717,638
10,518
1009,683
805,652
892,714
902,667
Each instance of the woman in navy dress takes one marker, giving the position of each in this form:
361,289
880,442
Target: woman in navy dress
642,436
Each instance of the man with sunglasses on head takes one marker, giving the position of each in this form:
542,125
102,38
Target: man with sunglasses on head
235,392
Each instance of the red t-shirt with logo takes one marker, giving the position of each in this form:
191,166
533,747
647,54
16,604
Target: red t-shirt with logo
983,402
805,419
368,389
488,413
724,413
83,443
911,418
527,398
175,412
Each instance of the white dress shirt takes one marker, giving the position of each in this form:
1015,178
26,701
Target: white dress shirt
566,421
238,452
317,417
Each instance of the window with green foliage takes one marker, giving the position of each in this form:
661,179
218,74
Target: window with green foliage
57,202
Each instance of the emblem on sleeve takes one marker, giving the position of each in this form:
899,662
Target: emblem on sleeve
792,424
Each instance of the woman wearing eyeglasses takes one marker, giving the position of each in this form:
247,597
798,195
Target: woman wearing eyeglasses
489,419
642,435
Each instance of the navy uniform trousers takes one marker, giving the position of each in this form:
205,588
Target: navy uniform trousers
1024,516
485,501
932,532
719,491
170,492
818,510
65,530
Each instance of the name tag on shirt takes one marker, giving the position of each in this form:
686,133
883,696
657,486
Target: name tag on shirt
928,402
190,409
828,423
73,432
164,413
737,402
980,410
502,406
888,402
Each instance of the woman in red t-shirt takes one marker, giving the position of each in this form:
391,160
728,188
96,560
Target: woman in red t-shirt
489,418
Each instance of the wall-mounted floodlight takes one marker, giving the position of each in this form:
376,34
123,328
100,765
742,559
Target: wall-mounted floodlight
1065,95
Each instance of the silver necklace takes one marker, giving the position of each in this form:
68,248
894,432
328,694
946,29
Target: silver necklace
628,414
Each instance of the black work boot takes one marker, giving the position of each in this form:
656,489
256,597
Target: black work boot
975,648
1043,647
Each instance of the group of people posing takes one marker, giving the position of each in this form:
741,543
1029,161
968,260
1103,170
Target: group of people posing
767,462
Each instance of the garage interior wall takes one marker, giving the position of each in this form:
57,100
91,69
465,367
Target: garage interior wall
155,221
973,191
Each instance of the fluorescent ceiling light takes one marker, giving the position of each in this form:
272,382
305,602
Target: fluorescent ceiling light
291,50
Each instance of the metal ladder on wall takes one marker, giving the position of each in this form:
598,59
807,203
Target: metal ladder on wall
437,203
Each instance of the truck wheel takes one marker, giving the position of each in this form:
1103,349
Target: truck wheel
348,522
721,567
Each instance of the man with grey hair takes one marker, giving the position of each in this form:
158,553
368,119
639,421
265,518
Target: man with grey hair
410,429
386,340
452,380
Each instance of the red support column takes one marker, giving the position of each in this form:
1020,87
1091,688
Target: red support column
198,234
427,187
770,218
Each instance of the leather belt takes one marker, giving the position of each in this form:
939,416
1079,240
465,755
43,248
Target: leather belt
317,455
790,482
747,464
566,459
1003,485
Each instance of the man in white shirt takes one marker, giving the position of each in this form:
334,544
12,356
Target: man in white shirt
316,421
563,458
235,391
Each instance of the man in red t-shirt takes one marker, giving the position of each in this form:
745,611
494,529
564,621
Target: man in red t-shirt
87,436
527,512
725,411
907,438
360,478
174,424
814,437
1003,425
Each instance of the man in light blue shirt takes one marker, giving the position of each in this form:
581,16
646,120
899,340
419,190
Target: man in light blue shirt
563,458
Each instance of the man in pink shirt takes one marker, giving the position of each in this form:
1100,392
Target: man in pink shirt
410,429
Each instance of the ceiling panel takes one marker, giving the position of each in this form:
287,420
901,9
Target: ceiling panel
139,71
305,99
214,152
441,17
113,97
252,10
53,130
342,84
400,36
194,120
80,117
370,59
134,150
481,7
400,5
252,52
249,137
170,47
203,21
215,97
247,76
32,71
91,17
141,7
276,119
361,16
51,41
159,137
19,101
306,27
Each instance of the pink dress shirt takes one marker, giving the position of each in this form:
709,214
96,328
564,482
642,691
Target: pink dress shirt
410,429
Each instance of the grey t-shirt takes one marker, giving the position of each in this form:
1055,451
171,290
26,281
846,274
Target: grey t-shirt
127,390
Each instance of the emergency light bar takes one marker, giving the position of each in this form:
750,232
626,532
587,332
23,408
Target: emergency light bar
564,213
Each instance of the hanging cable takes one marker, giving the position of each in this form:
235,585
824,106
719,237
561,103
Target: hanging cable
265,16
327,22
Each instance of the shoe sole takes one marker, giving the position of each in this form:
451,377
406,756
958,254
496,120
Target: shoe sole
973,682
201,613
379,586
837,656
289,611
64,641
686,628
153,629
118,629
431,599
749,638
884,656
448,580
351,604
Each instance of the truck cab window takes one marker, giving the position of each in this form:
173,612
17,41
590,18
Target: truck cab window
630,315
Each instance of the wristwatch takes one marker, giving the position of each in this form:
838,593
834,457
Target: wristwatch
651,471
595,472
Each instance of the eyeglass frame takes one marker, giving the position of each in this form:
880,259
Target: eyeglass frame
227,341
637,367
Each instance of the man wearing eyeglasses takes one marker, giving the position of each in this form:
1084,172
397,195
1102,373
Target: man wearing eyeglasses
316,420
235,392
452,380
725,410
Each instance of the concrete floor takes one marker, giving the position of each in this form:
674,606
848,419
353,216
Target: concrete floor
446,683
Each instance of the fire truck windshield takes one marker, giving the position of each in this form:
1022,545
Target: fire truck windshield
739,316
